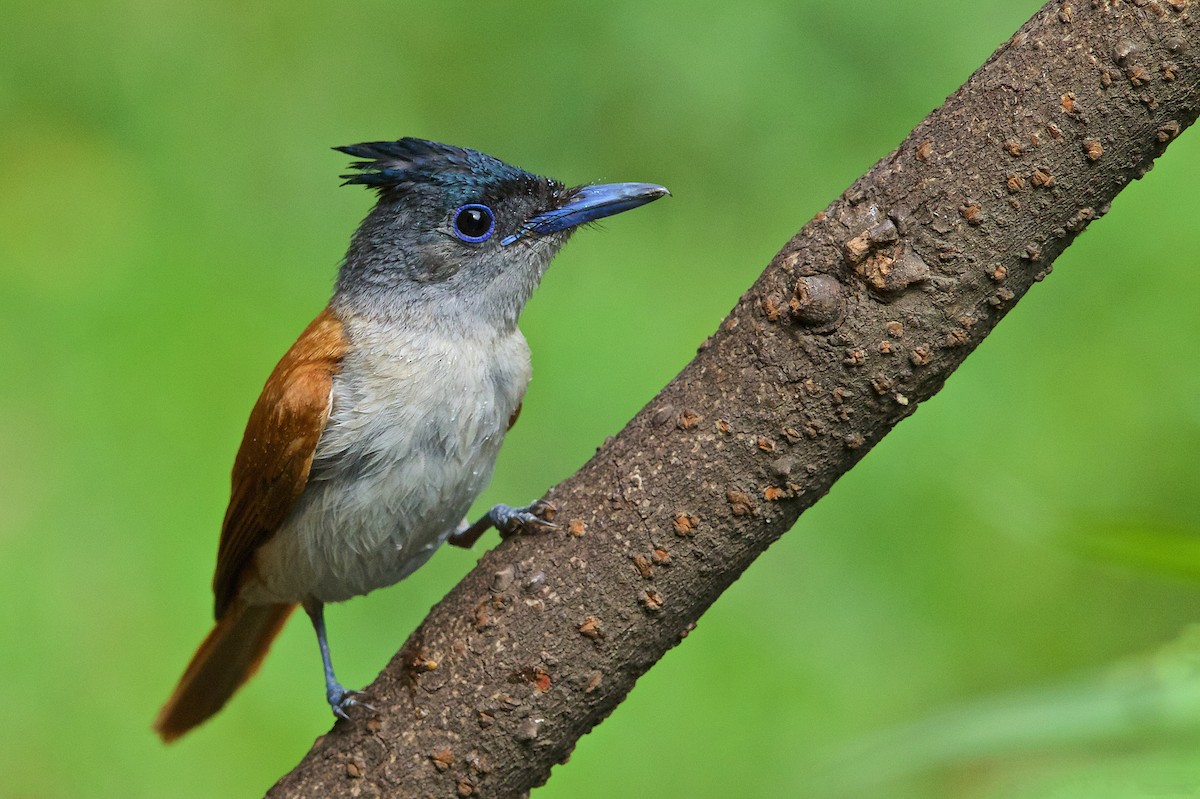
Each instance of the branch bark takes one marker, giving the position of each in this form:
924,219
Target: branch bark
858,319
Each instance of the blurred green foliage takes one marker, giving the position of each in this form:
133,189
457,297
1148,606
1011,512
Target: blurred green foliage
972,612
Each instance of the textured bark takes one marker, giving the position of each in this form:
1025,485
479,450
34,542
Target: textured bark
861,316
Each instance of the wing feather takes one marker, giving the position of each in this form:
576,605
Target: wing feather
273,462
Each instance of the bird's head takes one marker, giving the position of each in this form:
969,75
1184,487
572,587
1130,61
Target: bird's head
458,233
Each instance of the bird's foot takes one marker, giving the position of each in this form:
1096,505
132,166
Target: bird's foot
533,517
342,699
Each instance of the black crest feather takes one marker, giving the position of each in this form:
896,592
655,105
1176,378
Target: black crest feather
392,165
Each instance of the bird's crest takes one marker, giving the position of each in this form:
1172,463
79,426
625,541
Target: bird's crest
394,165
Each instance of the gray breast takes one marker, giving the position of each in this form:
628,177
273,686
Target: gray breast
411,441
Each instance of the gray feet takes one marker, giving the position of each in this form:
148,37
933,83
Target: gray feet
508,520
529,519
342,699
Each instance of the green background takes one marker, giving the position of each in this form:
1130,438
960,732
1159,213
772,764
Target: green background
996,603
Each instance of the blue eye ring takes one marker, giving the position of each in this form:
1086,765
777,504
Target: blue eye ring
473,223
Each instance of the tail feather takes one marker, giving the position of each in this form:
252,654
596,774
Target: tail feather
228,657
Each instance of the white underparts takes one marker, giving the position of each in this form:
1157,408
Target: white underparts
416,422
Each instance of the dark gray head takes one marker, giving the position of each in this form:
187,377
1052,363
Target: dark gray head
459,234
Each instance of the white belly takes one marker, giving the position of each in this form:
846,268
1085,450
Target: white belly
412,438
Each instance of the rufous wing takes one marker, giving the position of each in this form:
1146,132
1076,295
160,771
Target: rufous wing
273,463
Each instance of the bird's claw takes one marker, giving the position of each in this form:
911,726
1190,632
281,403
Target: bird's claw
531,518
342,699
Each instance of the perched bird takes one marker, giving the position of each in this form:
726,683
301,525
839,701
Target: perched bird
381,424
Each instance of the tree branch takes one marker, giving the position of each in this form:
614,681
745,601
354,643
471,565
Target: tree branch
858,319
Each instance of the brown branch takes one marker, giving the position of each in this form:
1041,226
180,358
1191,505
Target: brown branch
861,316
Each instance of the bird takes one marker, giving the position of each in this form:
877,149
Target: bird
381,424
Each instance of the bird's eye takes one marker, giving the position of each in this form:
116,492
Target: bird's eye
474,223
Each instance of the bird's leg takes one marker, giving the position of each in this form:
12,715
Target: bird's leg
507,520
339,697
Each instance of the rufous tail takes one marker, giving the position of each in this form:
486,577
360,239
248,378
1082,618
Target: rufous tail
228,657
